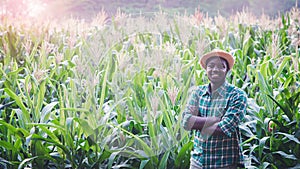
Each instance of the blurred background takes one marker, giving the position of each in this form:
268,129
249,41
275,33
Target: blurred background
86,9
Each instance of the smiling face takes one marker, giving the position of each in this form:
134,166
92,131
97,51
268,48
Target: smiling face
216,69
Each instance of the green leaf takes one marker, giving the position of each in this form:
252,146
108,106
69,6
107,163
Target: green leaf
285,155
111,159
146,148
249,140
144,163
290,137
49,132
21,165
40,100
88,130
152,134
264,69
265,165
46,110
164,160
262,143
265,90
246,131
19,102
283,63
51,141
186,148
284,109
8,145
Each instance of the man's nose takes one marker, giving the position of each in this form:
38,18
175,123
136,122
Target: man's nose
215,68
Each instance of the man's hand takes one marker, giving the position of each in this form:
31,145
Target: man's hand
206,132
211,121
198,123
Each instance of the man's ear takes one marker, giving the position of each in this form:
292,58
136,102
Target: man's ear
228,73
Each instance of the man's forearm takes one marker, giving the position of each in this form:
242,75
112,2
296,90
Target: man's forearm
212,130
198,123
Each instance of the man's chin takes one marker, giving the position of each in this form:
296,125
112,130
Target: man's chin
216,80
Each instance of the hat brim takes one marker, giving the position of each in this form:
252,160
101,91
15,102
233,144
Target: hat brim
227,56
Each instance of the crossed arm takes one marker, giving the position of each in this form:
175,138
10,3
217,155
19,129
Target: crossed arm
215,125
207,125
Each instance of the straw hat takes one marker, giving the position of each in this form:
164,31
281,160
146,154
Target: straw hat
217,52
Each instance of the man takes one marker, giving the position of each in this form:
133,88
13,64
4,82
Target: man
214,111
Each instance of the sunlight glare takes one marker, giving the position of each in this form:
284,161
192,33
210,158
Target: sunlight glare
35,8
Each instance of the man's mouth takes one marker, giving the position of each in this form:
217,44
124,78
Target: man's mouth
215,75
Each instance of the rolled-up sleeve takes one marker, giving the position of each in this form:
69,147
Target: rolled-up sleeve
234,114
192,108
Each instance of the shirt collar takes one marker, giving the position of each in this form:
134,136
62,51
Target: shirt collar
220,91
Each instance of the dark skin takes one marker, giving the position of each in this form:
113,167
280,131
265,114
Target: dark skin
216,69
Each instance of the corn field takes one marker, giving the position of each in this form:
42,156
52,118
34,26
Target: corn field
110,93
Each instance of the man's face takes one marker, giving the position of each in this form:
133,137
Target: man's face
216,69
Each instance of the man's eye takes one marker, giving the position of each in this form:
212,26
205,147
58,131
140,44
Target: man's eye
217,66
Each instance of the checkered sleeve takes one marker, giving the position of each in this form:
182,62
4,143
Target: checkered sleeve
234,114
191,108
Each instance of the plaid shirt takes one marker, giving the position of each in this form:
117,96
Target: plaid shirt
229,103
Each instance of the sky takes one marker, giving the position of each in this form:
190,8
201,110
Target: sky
60,8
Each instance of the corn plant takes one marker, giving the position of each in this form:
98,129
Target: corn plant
111,95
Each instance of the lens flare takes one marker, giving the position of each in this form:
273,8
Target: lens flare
35,8
23,8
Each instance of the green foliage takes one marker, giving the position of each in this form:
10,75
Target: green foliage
103,96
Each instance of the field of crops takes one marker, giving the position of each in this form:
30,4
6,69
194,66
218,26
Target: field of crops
110,93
